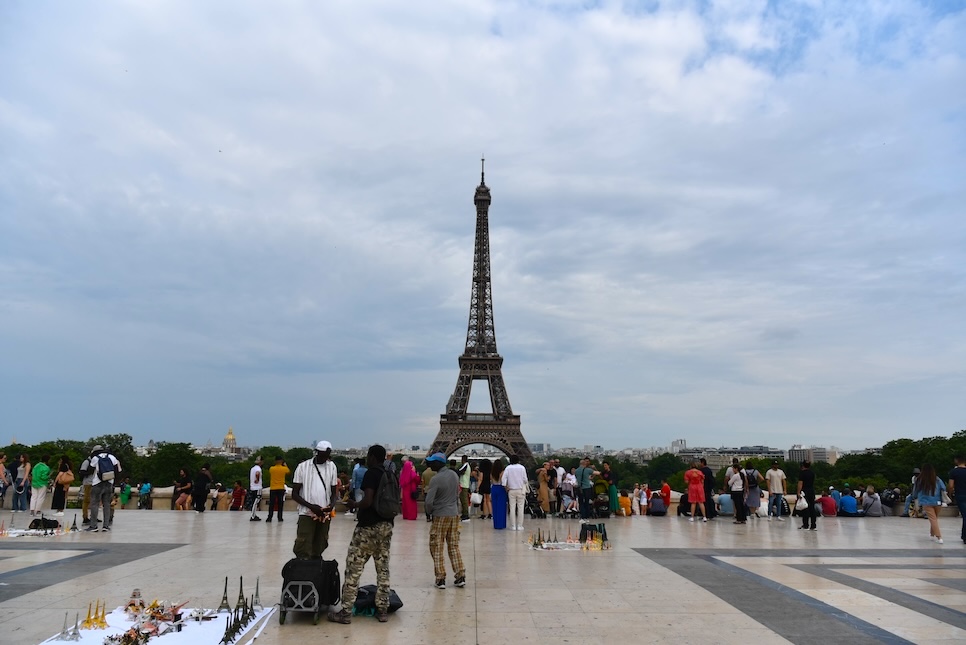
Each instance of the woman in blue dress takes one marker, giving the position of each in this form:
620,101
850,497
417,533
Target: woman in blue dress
498,498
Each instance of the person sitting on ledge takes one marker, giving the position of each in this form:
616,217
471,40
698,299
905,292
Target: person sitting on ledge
657,507
849,506
871,503
827,503
725,504
684,505
624,504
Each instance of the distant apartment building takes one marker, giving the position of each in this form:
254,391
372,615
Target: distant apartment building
678,445
799,454
539,448
719,458
814,454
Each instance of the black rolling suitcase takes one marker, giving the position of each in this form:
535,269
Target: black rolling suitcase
309,586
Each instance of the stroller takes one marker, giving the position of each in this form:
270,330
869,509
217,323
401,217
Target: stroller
569,507
600,505
533,508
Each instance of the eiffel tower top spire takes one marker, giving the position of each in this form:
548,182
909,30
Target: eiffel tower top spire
481,332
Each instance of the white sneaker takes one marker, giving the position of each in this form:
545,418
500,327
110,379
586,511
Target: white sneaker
690,519
769,518
704,519
60,514
780,519
583,521
940,540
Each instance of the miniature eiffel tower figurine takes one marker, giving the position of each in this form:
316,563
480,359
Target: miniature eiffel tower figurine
88,623
226,638
65,633
43,524
224,606
256,601
75,634
241,594
3,530
73,527
102,619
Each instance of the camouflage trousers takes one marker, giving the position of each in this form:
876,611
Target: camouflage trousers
446,529
368,542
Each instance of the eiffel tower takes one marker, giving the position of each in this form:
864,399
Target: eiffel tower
480,361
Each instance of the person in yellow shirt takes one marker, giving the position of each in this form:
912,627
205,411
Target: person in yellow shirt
276,493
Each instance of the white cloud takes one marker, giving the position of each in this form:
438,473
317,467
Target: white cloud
737,223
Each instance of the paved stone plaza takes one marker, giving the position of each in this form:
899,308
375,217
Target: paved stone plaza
665,580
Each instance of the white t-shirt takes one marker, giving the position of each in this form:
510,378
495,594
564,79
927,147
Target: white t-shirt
775,477
315,489
253,484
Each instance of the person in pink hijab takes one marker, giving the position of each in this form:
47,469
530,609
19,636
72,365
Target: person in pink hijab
409,484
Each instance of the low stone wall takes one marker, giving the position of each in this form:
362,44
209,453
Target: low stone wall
161,498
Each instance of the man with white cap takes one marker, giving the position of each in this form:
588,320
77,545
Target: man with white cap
314,488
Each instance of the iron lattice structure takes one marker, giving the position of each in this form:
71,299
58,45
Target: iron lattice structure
481,361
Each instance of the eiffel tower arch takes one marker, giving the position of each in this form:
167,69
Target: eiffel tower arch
480,361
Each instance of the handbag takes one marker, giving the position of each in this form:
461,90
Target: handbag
476,499
802,503
414,494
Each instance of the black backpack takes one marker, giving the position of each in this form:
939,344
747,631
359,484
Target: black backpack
388,500
751,479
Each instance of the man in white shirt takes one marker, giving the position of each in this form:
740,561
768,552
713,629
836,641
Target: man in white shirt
777,489
105,468
561,473
255,488
314,488
516,482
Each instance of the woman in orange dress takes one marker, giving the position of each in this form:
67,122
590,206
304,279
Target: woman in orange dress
694,478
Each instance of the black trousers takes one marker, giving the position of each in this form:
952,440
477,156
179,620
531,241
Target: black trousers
808,515
586,495
276,499
741,511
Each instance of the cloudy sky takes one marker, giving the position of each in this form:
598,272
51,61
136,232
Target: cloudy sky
729,222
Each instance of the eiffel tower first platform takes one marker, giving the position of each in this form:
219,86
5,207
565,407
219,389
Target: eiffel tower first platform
480,361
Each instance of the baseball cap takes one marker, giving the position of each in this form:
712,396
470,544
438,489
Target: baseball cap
97,448
437,456
916,471
322,446
831,487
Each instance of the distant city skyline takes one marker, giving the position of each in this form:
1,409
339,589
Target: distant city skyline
740,223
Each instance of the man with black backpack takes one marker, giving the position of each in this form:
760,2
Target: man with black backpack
372,536
105,468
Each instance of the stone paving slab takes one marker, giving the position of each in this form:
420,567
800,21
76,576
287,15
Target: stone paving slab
871,580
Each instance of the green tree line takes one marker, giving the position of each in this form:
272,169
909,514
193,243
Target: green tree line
160,468
893,468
